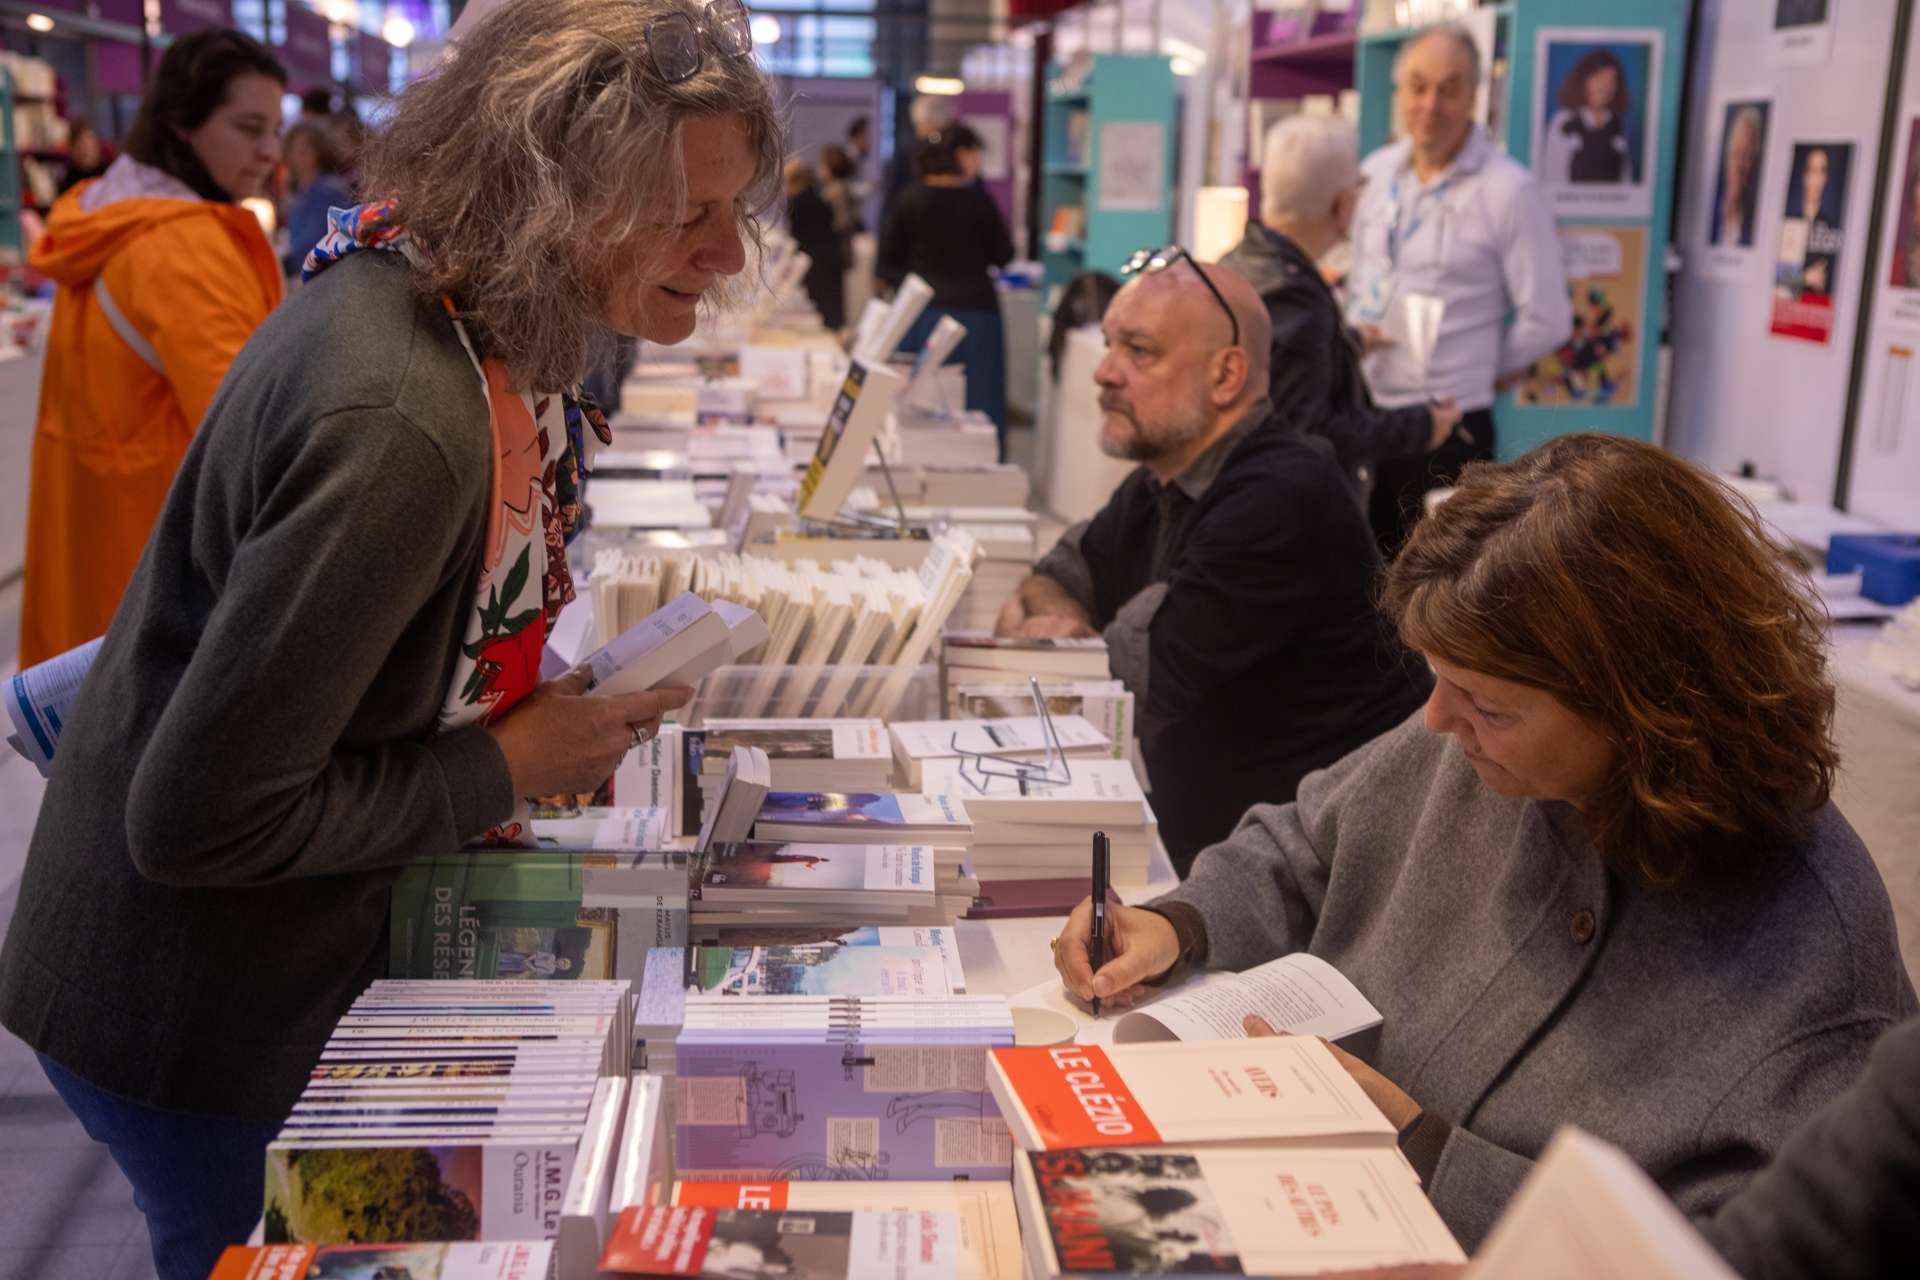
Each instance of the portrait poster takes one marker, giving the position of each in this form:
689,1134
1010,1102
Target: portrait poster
1738,170
1903,267
1598,366
1802,32
1133,166
1596,94
1812,239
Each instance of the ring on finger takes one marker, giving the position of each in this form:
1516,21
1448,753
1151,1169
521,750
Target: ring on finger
639,734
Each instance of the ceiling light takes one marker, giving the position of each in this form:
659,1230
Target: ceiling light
40,22
766,29
398,32
939,86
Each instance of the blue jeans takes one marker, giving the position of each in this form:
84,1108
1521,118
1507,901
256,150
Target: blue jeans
200,1180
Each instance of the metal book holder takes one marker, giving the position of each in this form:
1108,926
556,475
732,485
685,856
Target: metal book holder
864,524
1052,769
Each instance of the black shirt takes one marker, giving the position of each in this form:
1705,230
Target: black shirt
1251,577
950,237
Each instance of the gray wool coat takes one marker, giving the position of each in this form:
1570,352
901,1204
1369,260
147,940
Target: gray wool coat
1524,986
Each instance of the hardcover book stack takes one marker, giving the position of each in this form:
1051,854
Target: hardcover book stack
1106,704
448,1111
839,1087
1025,829
1248,1157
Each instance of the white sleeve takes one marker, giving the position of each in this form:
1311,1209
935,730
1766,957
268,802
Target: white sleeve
1556,160
1536,278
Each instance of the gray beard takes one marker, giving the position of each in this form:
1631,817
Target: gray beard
1150,443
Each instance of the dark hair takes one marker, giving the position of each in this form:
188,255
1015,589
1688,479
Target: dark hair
328,153
856,127
1573,89
189,86
838,164
317,102
939,154
1645,597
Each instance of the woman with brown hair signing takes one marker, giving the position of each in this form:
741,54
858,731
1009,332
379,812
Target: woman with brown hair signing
1603,883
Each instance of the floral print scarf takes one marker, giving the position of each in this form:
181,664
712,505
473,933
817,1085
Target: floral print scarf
540,452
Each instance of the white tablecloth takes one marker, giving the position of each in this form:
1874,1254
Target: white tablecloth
1877,727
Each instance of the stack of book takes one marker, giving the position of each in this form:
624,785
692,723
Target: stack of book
737,798
802,755
823,1088
1006,558
766,883
980,657
942,439
1000,485
760,1244
939,823
1104,703
1040,831
449,1111
586,905
918,743
508,1260
989,1243
1244,1157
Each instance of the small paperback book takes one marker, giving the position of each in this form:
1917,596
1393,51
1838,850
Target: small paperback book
1272,1090
800,874
863,817
492,1260
732,817
749,1244
1274,1212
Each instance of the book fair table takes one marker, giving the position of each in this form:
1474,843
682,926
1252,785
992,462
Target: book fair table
1876,725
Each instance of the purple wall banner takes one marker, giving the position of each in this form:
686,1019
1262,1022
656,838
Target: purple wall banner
372,63
183,17
307,52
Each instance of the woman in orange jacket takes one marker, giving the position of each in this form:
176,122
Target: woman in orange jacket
162,278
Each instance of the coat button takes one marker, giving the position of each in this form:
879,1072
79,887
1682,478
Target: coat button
1582,927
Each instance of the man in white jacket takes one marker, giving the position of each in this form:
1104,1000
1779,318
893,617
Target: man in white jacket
1457,283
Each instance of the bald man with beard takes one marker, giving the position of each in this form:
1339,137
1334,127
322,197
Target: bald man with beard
1231,574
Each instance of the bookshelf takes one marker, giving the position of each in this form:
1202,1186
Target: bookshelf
1118,89
12,244
1520,29
1293,56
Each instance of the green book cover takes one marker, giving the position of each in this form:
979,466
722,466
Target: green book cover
498,914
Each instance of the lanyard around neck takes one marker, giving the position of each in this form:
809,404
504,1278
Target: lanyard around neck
1397,234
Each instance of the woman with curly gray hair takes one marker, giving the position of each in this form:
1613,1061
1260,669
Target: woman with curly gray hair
328,663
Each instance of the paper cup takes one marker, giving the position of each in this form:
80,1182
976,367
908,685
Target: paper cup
1037,1028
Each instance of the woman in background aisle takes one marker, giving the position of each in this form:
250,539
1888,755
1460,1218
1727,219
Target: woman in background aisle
947,230
317,164
810,219
327,665
86,155
162,277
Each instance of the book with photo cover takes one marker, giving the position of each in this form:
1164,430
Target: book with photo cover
1252,1212
389,1189
807,874
863,817
989,1245
498,914
489,1260
803,754
749,1244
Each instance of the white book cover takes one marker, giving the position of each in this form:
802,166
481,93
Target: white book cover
1275,1089
784,872
1098,791
585,1216
1023,737
626,828
989,1223
684,634
1587,1212
1285,1212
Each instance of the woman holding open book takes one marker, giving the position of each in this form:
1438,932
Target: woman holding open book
1603,884
329,661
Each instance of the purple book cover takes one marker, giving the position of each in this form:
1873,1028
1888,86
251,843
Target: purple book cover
832,1113
1017,899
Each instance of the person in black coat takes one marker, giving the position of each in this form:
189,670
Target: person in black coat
810,219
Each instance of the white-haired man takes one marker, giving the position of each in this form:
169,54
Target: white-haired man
1309,187
928,115
1448,223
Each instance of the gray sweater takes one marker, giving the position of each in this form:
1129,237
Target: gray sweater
1525,987
253,757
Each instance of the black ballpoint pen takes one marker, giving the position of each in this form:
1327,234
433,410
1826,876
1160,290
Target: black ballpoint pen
1097,943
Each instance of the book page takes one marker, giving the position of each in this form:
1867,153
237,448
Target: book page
1300,993
41,699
